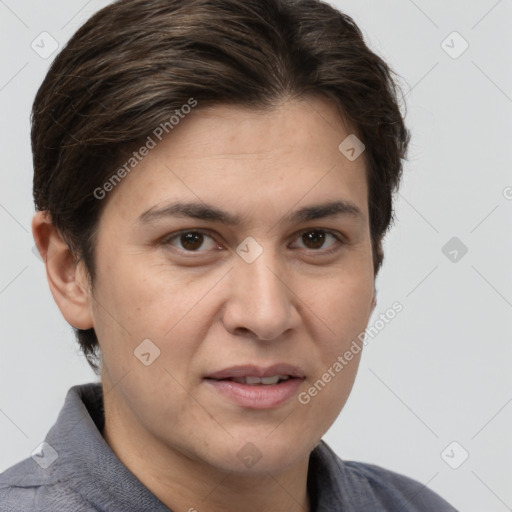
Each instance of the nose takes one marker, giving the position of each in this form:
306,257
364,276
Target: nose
261,303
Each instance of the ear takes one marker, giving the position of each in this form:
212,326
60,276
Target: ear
374,300
66,277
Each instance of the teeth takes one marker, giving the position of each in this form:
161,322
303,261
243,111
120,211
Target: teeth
257,380
263,380
270,380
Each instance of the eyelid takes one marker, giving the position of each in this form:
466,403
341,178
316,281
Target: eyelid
166,240
340,238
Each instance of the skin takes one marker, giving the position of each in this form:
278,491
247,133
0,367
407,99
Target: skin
208,309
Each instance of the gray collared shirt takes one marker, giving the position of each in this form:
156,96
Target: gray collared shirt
76,471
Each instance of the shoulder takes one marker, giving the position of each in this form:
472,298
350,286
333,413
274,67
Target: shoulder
392,488
26,487
379,488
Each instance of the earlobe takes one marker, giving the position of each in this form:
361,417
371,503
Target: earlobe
66,277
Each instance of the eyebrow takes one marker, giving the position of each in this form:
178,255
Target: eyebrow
204,211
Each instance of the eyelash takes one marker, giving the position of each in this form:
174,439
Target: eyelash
338,237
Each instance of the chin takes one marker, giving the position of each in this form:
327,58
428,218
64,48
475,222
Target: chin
260,454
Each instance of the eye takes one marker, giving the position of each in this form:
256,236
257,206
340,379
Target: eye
315,239
191,241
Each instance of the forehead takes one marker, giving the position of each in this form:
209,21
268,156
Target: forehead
228,155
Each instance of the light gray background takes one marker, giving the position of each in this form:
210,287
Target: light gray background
440,371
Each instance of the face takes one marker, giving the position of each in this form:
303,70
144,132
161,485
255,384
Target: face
239,248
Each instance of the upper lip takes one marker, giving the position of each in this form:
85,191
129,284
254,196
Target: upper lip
257,371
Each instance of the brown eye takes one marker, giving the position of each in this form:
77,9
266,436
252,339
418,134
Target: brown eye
191,241
318,240
313,239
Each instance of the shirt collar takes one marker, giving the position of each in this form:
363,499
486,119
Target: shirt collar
87,462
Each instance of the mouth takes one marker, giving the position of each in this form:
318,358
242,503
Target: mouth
259,374
251,380
257,387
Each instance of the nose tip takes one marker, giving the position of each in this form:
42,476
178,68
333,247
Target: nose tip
257,335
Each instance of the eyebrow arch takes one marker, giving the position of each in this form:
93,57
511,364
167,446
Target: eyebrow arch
330,209
203,211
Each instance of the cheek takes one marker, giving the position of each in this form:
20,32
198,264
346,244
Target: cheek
154,304
326,394
339,351
344,306
151,300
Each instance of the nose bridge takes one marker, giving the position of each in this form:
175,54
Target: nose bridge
260,300
260,275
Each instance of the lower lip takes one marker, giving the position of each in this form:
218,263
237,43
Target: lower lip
262,396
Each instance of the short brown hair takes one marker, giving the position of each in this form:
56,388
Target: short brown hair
135,62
